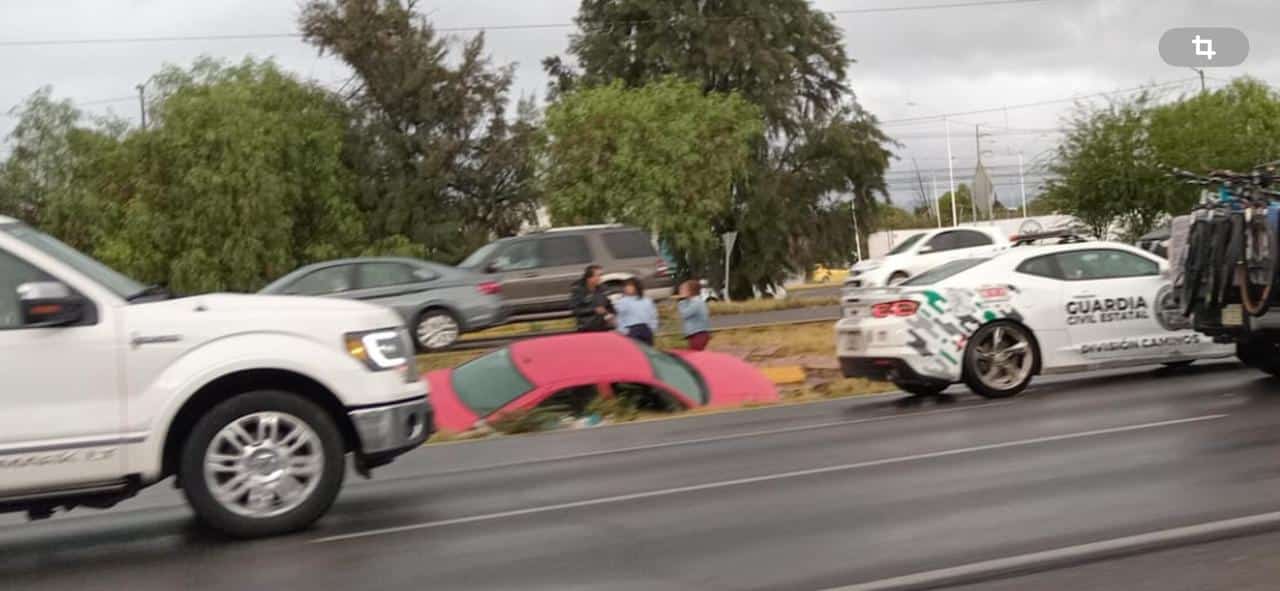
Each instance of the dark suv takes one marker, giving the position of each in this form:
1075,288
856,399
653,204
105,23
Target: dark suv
537,270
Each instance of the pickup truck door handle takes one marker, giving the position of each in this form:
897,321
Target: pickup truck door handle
529,275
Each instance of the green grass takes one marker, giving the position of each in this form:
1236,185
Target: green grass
667,316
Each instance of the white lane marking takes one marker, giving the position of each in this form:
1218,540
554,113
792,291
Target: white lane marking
757,479
712,439
1059,557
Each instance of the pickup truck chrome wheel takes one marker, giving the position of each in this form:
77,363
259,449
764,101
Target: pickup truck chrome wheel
263,464
436,330
1000,360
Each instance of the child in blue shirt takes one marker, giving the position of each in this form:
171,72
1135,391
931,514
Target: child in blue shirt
635,314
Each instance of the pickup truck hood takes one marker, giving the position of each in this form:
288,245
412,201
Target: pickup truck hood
205,317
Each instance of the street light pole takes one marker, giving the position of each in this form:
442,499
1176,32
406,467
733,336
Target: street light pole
973,195
951,172
1022,183
142,104
937,207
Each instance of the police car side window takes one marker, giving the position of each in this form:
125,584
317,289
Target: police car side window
1042,266
1104,264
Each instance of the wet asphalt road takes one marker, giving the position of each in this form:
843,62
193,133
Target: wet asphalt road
803,497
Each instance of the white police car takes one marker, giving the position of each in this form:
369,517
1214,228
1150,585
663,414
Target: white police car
995,322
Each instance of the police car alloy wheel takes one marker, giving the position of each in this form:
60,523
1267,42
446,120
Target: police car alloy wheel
999,360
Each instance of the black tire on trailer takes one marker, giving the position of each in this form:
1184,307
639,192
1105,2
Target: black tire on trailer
262,463
1197,260
1260,354
1222,266
1256,277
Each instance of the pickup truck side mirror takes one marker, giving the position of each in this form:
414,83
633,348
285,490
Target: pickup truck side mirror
926,249
49,303
492,268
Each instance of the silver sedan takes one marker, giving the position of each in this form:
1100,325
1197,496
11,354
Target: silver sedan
438,302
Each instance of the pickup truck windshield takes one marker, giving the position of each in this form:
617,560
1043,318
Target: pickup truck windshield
104,275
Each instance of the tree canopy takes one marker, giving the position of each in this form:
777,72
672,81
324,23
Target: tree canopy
435,156
787,59
238,180
662,156
1108,167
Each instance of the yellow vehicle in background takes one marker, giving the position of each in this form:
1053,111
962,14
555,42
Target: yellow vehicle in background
823,274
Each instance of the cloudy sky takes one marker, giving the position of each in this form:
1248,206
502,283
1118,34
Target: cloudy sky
1020,63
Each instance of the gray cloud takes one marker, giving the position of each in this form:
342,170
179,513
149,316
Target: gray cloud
910,64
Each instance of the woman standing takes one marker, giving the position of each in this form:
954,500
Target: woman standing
591,308
637,316
694,316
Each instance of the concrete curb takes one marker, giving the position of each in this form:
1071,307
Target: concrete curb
1072,555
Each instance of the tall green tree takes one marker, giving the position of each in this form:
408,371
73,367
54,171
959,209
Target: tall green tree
436,157
238,179
41,159
663,156
1106,172
789,60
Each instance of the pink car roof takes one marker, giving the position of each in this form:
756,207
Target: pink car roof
581,356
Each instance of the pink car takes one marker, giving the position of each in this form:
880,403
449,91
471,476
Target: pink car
571,370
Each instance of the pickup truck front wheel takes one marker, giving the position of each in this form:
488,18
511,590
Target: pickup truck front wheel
262,463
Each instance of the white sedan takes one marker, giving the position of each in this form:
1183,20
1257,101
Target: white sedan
923,251
995,322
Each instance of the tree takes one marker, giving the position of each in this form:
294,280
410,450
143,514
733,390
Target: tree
786,58
964,205
41,160
662,156
238,180
1106,171
436,158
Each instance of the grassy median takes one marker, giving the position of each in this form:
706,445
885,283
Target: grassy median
667,316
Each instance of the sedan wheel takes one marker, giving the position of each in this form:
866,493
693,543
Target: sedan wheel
1000,360
437,330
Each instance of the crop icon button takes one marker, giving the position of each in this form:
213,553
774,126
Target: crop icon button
1204,47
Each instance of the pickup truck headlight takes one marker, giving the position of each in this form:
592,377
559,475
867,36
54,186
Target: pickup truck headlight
380,350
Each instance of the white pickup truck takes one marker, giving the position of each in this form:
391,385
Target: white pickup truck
251,402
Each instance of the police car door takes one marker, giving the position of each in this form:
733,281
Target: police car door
1111,308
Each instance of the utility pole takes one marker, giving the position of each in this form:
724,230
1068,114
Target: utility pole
142,104
951,173
973,196
1200,71
1022,183
937,207
857,236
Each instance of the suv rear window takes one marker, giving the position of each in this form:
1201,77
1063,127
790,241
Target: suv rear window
631,244
564,250
488,383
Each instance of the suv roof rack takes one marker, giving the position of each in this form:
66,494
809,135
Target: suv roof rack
575,228
1062,236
